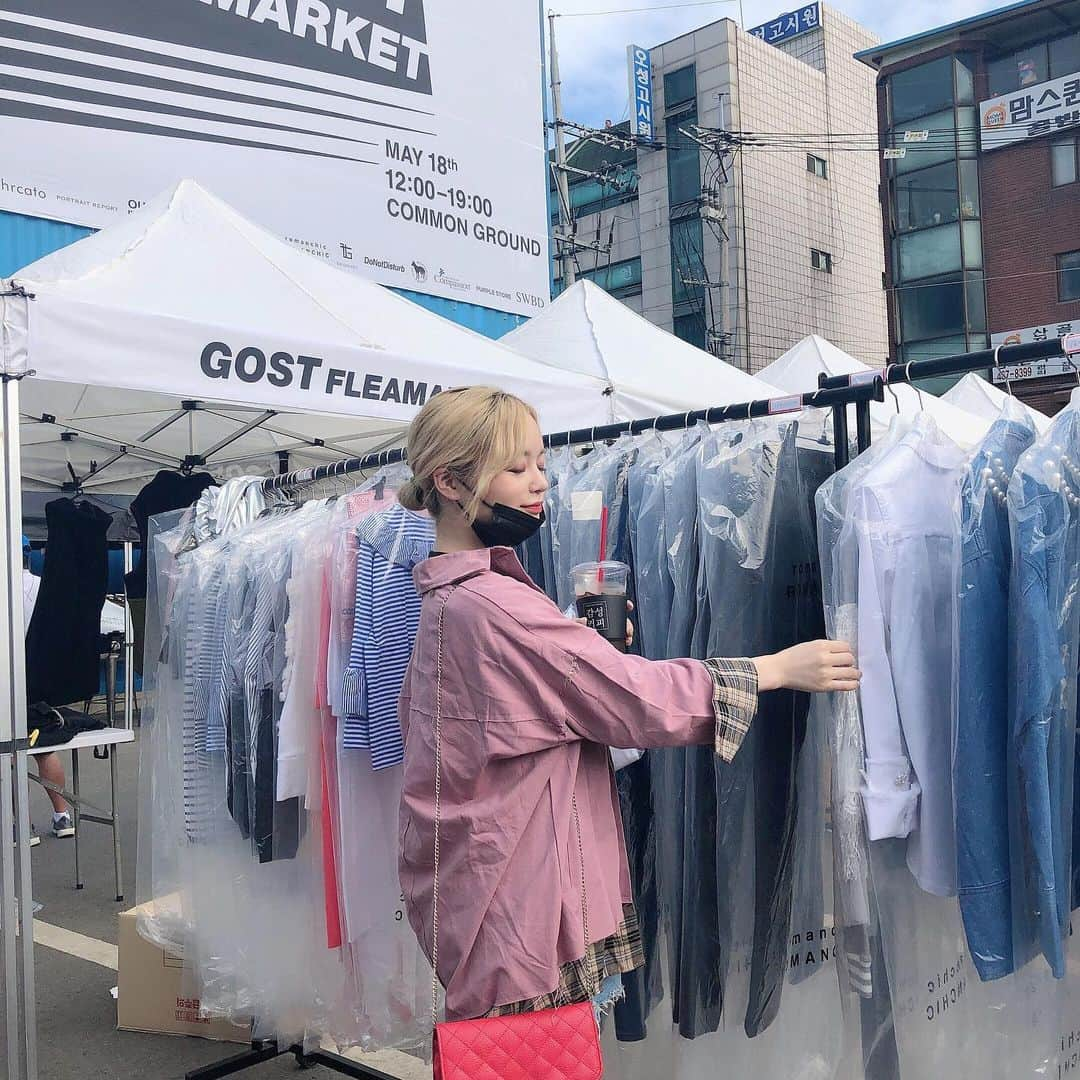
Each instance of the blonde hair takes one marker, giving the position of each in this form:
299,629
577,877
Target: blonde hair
474,432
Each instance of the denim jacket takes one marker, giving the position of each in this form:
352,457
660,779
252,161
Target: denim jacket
982,640
1045,533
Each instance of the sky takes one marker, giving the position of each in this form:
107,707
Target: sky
592,48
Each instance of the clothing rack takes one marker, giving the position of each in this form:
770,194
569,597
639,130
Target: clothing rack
834,392
1001,356
865,391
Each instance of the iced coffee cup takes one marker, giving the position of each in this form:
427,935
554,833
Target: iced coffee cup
600,594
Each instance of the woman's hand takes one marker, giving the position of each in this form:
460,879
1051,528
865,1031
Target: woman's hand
814,666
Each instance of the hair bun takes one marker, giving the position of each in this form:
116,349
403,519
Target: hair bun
412,495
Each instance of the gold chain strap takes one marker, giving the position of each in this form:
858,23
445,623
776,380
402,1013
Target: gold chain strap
438,823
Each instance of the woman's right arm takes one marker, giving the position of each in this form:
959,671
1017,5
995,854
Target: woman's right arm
621,700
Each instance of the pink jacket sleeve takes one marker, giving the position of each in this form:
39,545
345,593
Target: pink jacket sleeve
605,696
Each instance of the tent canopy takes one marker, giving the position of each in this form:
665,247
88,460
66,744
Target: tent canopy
797,371
979,397
188,300
651,372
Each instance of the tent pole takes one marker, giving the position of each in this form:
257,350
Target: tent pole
16,909
129,644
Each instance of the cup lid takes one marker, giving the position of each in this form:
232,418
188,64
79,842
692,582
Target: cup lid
608,566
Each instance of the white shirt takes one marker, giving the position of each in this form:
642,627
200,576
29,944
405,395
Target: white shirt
906,514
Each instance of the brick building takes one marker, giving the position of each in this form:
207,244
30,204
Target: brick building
980,186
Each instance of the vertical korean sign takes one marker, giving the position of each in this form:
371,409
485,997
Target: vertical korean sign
639,66
402,140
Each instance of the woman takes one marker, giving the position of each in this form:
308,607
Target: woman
515,706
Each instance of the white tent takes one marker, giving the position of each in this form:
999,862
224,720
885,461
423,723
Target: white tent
797,371
979,397
650,371
188,300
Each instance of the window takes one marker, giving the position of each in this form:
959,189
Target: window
1024,67
921,90
683,161
1065,162
686,261
621,279
821,260
1068,267
932,309
817,166
921,155
690,328
969,189
1065,56
680,87
965,79
926,198
929,252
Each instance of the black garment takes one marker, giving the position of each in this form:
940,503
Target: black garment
56,727
237,771
62,643
167,491
759,561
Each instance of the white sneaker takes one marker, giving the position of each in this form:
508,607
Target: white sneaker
63,826
34,838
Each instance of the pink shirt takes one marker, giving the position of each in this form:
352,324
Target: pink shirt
530,702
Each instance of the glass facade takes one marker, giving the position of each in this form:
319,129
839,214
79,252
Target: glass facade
621,279
688,294
935,231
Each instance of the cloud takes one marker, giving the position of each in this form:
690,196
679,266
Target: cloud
592,48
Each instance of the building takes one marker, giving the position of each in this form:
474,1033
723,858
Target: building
747,225
980,192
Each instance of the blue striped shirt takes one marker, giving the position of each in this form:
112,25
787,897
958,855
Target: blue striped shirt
387,616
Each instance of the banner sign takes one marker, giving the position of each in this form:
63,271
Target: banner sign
398,139
639,67
1044,109
1034,369
789,25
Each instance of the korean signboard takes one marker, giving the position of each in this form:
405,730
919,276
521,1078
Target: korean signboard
1043,109
1035,369
359,130
789,25
639,66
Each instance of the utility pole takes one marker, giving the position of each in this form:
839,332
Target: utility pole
562,186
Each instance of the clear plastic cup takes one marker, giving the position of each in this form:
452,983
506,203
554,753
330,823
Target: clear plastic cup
600,594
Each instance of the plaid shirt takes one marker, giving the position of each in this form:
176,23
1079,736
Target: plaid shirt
580,979
735,701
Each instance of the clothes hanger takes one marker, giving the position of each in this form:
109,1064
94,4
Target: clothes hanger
889,387
907,375
1004,371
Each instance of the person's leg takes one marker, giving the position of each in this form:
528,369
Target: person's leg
51,768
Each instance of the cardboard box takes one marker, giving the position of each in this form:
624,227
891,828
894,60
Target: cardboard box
151,991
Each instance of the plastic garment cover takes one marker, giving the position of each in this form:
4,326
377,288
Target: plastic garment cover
981,739
592,515
741,518
839,559
247,859
759,551
1044,508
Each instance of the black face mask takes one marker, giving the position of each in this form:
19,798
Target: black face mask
508,527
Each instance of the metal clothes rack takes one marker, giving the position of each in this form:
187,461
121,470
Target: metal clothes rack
860,393
837,393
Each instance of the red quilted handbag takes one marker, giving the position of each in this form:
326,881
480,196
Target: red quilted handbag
552,1044
549,1044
